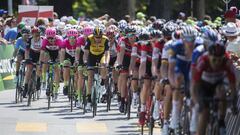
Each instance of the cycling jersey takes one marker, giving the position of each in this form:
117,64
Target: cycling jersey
20,44
197,52
96,49
52,47
177,54
165,54
34,48
206,73
70,49
113,49
146,56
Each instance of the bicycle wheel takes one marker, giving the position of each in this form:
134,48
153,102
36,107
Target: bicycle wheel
109,94
94,102
50,90
129,100
83,95
185,122
30,93
151,120
71,93
17,92
215,129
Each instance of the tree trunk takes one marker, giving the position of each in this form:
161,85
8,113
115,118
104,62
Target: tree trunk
131,8
155,8
199,6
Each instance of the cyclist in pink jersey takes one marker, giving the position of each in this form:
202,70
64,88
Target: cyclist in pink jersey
51,45
69,56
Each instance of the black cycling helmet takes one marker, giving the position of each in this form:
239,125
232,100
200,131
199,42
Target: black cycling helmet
130,29
168,29
217,49
156,33
97,31
144,35
158,25
26,30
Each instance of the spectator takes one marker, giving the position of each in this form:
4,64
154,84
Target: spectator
12,34
55,15
40,22
230,16
7,25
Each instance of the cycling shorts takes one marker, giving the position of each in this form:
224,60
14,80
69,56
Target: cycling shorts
34,56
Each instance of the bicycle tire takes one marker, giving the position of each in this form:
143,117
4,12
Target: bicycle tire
215,128
50,89
17,92
94,102
185,121
151,120
71,94
129,104
83,93
30,93
109,95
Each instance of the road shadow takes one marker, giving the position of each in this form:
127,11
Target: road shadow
7,103
80,117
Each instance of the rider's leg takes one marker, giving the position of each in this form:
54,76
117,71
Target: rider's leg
177,101
66,76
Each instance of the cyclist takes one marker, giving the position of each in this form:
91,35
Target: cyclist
145,72
180,58
96,51
113,54
167,30
126,50
69,56
211,70
19,52
50,51
209,36
86,31
32,53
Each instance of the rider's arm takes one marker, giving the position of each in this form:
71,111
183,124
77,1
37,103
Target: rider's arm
172,64
155,59
77,54
16,48
143,62
107,53
121,53
86,50
133,58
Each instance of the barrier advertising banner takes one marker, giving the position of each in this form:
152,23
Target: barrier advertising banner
7,71
29,13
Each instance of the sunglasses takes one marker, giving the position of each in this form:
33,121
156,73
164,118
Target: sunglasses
130,35
72,37
50,38
98,37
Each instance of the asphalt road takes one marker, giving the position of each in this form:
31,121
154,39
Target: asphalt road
19,119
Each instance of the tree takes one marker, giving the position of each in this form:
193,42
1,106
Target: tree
62,7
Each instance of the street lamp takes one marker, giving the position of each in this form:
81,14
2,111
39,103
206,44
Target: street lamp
226,3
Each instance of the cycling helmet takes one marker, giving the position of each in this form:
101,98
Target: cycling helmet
168,29
156,33
158,25
87,30
144,35
210,37
35,30
130,29
97,31
50,32
26,30
110,32
217,49
72,33
112,27
176,35
122,25
42,30
189,31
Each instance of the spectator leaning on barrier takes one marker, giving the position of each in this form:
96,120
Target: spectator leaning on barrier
12,34
230,16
